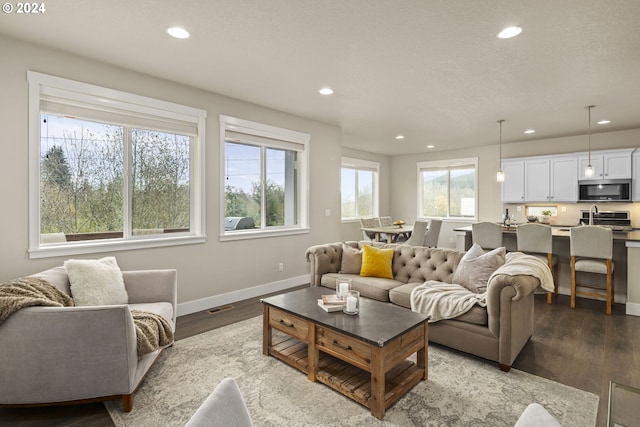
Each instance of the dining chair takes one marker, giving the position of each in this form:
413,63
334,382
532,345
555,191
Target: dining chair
386,221
368,223
418,234
433,233
591,249
537,240
487,234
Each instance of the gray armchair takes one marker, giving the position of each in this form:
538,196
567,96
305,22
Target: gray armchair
65,355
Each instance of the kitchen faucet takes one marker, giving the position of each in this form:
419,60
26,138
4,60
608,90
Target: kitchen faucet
591,209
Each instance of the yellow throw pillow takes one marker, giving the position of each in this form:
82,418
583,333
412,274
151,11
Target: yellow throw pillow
376,262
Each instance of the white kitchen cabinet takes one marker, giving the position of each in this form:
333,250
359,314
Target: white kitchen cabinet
513,185
563,182
536,180
612,164
551,179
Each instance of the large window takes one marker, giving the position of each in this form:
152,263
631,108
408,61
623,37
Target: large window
111,170
447,189
359,188
264,180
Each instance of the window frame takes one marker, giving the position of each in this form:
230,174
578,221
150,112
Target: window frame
129,105
447,165
281,137
365,165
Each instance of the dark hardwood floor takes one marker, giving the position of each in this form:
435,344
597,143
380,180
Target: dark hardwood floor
583,348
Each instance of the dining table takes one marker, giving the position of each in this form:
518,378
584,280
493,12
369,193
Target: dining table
391,231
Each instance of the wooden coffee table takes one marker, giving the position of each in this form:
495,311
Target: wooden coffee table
364,357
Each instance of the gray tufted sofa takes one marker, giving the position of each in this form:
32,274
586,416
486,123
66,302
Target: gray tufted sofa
497,332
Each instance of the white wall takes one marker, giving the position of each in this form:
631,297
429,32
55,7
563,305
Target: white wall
204,270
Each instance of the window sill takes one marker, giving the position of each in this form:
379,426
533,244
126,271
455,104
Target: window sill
259,234
112,246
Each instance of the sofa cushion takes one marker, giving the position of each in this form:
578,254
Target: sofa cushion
351,262
401,296
370,287
96,282
376,262
57,276
164,309
476,267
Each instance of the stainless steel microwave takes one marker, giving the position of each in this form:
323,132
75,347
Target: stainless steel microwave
605,190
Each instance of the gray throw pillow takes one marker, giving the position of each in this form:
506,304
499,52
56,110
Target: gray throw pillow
476,267
351,260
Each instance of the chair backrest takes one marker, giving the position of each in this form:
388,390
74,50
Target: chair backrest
418,233
534,238
487,234
591,241
224,407
431,239
369,222
386,221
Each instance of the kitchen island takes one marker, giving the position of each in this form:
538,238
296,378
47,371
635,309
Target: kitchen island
626,256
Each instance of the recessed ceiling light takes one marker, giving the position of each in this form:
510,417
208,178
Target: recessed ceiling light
431,146
326,91
179,33
530,131
399,136
604,122
509,32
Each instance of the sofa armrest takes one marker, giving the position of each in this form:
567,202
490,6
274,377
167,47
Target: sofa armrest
152,286
54,354
324,259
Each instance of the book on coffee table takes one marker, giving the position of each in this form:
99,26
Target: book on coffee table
330,307
332,299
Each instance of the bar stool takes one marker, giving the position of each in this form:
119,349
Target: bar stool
487,234
536,240
591,250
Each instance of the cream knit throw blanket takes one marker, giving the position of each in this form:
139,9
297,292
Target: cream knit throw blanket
152,330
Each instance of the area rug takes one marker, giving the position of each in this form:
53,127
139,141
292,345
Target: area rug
460,391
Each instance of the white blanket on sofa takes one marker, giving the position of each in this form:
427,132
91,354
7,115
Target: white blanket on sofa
444,300
519,263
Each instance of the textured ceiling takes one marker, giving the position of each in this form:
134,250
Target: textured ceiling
432,70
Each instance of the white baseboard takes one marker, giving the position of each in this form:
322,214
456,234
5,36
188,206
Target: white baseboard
242,294
633,308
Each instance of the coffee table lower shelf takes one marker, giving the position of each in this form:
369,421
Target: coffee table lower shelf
347,379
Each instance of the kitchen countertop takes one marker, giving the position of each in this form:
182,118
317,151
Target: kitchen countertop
563,231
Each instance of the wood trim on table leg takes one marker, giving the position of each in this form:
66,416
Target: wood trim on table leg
312,352
376,401
266,331
422,357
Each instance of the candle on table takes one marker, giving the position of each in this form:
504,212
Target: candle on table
343,289
351,303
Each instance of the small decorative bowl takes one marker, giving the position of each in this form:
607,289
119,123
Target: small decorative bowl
532,218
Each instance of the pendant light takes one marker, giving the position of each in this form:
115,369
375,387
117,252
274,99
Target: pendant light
500,173
588,171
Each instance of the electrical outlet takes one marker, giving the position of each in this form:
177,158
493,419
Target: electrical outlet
327,212
519,208
281,266
563,209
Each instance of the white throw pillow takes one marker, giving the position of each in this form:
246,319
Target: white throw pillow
476,267
96,282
